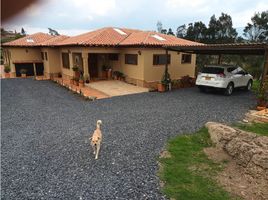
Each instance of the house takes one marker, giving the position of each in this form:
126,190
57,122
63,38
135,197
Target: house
139,55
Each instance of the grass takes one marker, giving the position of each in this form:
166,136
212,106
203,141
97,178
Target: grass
258,128
255,85
188,173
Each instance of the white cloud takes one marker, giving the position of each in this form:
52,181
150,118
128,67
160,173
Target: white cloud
31,30
100,7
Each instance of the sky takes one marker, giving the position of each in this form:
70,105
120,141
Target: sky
73,17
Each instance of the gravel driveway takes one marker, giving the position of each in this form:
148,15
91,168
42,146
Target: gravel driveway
45,153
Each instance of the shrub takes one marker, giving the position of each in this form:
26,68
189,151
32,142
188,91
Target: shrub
7,69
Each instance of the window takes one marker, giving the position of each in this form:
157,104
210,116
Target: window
131,59
160,59
113,56
213,70
65,60
42,56
186,58
46,55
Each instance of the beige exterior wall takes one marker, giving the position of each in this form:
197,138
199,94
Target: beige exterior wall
153,73
52,64
133,71
141,74
19,55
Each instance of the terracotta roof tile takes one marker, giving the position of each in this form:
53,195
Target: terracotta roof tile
37,39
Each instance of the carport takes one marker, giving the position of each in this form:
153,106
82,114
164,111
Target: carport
32,68
231,49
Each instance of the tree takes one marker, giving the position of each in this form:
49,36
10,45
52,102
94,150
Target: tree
257,31
159,26
196,32
226,33
53,32
181,31
22,31
170,32
212,30
164,31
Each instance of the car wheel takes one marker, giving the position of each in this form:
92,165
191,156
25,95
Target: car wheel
229,90
249,85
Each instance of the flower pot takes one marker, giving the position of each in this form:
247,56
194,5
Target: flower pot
76,83
81,83
260,108
109,74
7,75
161,87
76,74
23,75
104,74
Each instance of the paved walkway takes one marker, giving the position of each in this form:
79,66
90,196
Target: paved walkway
45,153
117,88
86,91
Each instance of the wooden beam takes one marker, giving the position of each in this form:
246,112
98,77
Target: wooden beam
166,66
219,58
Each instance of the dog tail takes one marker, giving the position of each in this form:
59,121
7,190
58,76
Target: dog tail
99,122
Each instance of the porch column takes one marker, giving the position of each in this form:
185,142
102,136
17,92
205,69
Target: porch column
85,63
34,66
265,68
71,63
219,59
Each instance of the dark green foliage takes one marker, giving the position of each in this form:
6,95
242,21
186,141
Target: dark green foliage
53,32
257,31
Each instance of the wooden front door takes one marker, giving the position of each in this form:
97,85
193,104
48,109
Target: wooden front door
93,65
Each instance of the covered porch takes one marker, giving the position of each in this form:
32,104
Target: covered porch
97,65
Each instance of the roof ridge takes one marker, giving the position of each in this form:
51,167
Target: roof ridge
124,38
147,36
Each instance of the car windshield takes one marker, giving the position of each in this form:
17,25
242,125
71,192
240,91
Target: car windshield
213,70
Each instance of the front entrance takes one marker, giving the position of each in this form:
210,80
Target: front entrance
93,65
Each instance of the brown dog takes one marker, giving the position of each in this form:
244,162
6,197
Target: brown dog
96,139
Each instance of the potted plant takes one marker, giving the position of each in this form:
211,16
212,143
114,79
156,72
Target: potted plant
109,73
262,97
81,81
104,72
76,71
72,81
186,81
86,78
76,81
116,75
23,73
165,82
7,70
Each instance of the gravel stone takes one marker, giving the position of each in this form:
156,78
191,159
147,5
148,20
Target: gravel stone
45,153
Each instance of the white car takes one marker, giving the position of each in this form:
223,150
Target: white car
224,77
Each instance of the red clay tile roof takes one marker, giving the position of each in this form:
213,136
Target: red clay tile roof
37,39
104,37
150,38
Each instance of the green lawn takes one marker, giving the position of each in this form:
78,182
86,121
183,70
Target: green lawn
255,85
188,174
258,128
